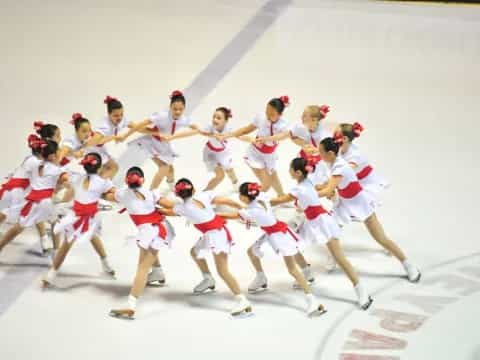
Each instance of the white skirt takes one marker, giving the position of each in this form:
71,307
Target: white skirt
65,226
281,244
358,208
40,212
374,184
319,230
9,204
213,159
258,160
213,241
162,150
148,238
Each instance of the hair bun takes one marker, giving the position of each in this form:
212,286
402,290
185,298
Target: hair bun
109,99
175,93
324,109
357,129
253,189
38,125
338,138
134,179
182,186
285,100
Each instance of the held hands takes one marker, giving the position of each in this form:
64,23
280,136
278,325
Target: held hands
310,149
79,154
119,138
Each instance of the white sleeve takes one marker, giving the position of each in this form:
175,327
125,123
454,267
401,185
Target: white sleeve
295,192
104,128
119,195
107,186
156,195
208,128
298,130
257,121
282,126
245,215
179,209
337,170
31,163
70,143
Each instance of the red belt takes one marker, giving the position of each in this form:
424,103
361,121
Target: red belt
364,172
279,226
312,212
154,218
215,149
216,223
266,149
84,212
352,190
14,183
35,196
315,158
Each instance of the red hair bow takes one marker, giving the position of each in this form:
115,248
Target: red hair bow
89,160
324,109
253,188
34,142
311,162
37,125
357,129
108,99
75,117
285,100
182,186
338,138
176,93
134,178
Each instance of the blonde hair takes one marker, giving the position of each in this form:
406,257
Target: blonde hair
316,112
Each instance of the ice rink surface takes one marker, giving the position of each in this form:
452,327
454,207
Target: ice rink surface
408,72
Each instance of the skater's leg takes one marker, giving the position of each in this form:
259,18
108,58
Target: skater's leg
296,273
232,176
156,263
10,235
257,264
221,262
41,229
219,176
276,183
201,263
98,246
145,262
337,252
3,217
377,232
301,261
162,171
171,174
264,178
61,254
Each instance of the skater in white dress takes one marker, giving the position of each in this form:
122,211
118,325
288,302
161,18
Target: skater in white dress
38,207
158,130
366,174
355,203
261,155
320,227
83,223
75,146
278,236
216,239
154,232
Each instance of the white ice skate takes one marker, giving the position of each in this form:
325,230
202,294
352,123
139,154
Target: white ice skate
107,268
207,284
242,309
156,277
104,205
364,299
414,275
330,264
48,280
258,284
314,307
307,274
45,245
125,314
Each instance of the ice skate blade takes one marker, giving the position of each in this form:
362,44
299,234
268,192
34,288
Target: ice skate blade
262,289
417,279
122,314
204,292
105,207
156,283
367,305
297,286
245,313
317,313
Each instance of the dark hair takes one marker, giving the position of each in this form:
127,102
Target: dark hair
93,168
184,193
112,104
177,95
47,131
78,120
280,103
243,189
225,111
49,149
329,144
300,164
139,172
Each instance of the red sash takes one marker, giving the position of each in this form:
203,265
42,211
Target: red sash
364,172
84,212
154,218
64,161
35,196
266,149
279,226
352,190
215,149
312,212
216,223
315,158
14,183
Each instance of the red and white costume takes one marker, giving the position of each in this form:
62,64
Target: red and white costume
264,156
216,236
14,190
217,153
366,174
278,235
107,128
321,173
319,225
166,125
38,206
353,202
83,221
154,231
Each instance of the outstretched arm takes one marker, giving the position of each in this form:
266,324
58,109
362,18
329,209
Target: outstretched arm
226,201
329,189
239,132
230,215
282,200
